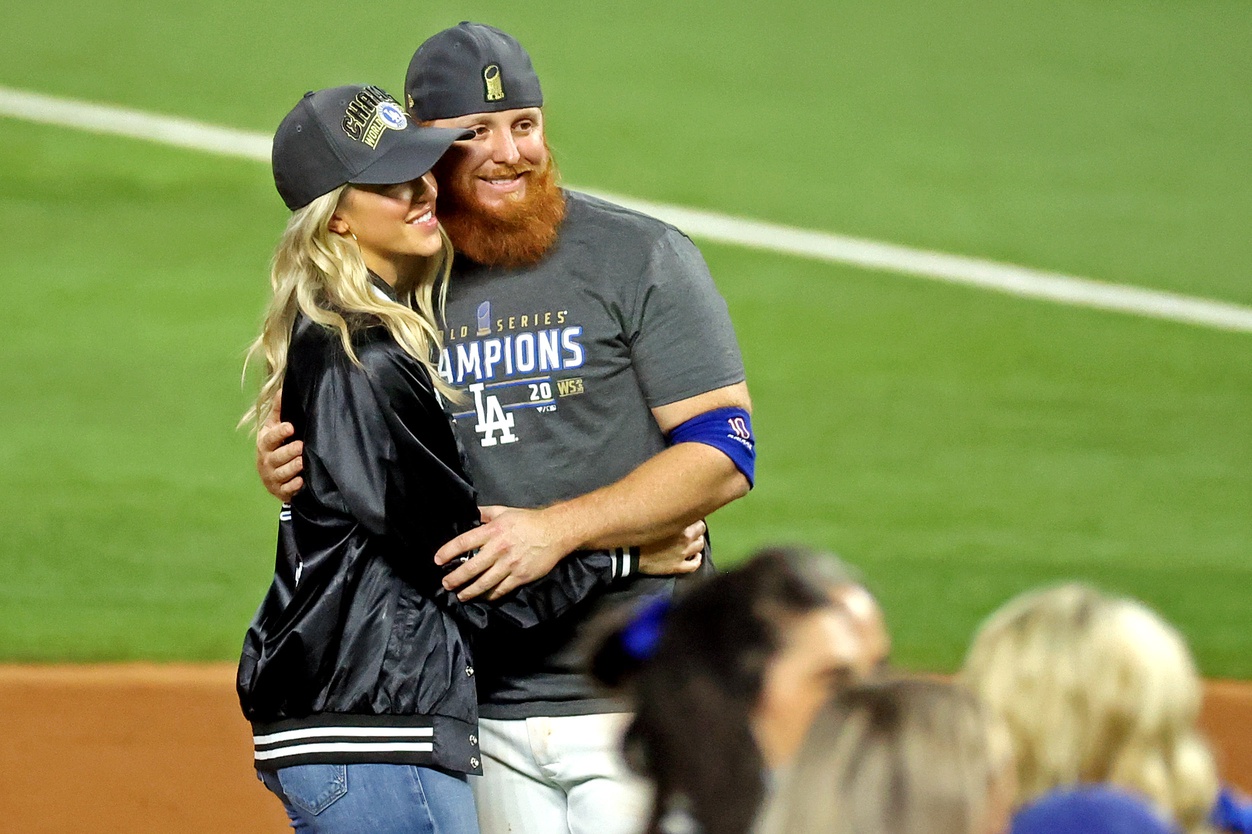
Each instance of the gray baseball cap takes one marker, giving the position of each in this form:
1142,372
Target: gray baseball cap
353,134
470,68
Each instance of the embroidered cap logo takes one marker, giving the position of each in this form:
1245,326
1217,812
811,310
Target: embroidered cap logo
494,82
370,113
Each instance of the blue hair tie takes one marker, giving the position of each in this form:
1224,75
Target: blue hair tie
642,634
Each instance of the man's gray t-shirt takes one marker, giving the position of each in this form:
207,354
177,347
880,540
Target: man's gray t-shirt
561,363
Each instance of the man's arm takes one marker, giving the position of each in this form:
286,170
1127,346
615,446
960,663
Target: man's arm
659,498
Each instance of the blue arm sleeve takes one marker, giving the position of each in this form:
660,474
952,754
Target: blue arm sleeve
729,430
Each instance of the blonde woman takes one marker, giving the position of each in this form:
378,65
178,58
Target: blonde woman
904,756
355,674
1096,689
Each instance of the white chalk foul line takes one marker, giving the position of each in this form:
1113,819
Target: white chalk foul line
823,246
955,269
136,124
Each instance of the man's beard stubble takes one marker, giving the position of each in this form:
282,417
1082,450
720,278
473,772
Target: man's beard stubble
519,234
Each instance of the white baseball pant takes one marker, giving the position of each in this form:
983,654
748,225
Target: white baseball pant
558,775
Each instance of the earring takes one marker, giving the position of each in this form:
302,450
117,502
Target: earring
353,235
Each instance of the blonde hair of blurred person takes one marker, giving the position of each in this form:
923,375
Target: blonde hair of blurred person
1096,689
322,273
899,756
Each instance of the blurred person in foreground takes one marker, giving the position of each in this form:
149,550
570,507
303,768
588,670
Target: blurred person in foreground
903,756
858,604
604,400
355,672
725,680
1098,689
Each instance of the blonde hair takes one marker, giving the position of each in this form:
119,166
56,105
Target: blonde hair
904,756
323,275
1096,689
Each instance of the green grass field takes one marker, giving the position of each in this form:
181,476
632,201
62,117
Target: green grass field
958,446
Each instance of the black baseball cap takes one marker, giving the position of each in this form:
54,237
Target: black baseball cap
470,68
354,134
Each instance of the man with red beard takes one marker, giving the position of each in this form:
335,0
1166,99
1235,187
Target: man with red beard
605,407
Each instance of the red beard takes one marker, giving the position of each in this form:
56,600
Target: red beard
519,234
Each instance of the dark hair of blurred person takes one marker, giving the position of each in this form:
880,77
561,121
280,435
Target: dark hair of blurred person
724,683
1096,689
903,756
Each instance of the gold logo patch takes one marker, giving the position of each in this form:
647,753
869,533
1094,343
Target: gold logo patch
494,82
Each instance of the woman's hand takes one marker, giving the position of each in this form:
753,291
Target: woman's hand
675,556
278,461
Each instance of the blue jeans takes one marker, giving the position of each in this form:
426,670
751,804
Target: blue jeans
373,799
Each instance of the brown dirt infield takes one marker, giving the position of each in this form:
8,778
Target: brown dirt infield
141,748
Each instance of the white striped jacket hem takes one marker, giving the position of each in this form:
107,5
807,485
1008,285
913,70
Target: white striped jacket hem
437,741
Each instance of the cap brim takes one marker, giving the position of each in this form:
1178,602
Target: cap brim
413,152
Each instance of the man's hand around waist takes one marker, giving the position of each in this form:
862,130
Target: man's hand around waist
517,546
514,546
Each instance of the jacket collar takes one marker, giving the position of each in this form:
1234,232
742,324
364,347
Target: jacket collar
383,288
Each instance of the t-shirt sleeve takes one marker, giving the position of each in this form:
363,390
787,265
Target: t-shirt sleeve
682,341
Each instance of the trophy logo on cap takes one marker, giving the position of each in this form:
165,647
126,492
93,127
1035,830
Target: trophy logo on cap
495,84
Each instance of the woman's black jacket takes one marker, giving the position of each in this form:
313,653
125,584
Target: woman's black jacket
357,653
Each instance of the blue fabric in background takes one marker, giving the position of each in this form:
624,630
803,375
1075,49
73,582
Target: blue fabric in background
1232,813
1091,809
